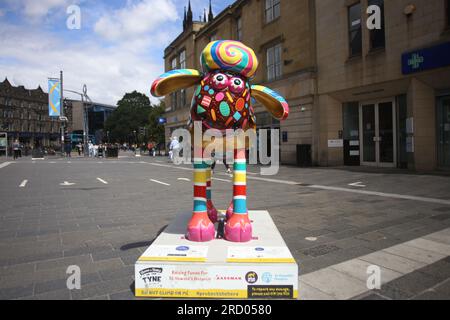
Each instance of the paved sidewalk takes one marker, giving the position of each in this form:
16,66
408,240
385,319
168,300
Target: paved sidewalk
65,214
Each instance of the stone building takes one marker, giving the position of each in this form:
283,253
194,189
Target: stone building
282,34
366,86
24,116
384,94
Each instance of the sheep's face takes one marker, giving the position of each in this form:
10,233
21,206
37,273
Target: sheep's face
222,101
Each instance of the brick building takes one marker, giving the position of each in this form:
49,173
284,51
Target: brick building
24,116
282,35
358,95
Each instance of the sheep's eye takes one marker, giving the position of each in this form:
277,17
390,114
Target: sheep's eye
237,85
220,81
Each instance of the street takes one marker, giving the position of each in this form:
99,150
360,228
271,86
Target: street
101,214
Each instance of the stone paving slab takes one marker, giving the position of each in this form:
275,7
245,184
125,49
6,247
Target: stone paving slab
104,228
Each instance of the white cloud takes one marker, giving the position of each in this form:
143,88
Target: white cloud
40,8
108,72
136,19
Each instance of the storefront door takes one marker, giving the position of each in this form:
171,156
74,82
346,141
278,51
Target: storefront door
378,133
444,131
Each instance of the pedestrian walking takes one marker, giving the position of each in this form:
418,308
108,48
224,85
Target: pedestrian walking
215,156
68,149
16,149
174,148
91,149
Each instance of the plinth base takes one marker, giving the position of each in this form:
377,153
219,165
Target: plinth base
174,267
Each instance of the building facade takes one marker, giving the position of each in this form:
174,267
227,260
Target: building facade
367,81
95,115
282,35
24,116
383,93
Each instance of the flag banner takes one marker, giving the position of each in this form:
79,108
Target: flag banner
54,97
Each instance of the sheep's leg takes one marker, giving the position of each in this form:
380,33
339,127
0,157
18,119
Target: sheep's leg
200,227
212,211
238,227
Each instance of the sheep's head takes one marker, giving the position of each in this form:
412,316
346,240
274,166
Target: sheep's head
222,98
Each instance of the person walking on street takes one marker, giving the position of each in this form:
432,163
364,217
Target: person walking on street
68,149
223,157
174,147
16,149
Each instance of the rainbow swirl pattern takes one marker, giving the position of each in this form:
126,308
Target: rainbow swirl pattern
170,75
231,56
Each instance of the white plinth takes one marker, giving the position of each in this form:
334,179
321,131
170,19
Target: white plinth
173,267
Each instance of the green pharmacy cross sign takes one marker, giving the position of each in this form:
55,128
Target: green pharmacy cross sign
437,56
415,61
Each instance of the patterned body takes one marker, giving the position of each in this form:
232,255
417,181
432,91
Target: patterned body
222,101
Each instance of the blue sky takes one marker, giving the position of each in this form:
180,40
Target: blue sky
118,48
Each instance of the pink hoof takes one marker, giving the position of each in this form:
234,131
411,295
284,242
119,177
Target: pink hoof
200,228
238,228
212,211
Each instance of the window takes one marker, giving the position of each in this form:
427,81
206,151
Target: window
272,10
174,97
274,62
448,13
354,28
377,38
183,98
183,59
213,38
173,63
239,29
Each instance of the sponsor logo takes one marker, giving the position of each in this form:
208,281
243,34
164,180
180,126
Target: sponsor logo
151,275
267,277
259,249
228,278
251,277
182,248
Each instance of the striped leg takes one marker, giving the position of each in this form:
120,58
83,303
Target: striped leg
200,227
239,228
212,211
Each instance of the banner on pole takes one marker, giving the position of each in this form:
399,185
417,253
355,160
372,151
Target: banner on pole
54,97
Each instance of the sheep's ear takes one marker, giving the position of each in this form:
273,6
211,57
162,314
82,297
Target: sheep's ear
175,80
272,101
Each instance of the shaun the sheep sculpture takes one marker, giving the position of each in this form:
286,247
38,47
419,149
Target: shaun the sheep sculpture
222,100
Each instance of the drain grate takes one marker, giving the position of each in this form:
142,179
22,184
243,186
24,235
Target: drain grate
320,250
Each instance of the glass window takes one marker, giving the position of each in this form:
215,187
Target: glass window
183,98
272,10
239,29
355,34
377,37
448,13
183,59
173,64
274,64
213,38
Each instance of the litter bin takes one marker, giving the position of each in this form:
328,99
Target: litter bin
112,152
304,158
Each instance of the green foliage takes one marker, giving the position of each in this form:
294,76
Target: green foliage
135,111
155,130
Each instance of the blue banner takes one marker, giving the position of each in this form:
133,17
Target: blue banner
54,97
426,59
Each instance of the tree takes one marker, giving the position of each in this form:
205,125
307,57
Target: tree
155,129
132,112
